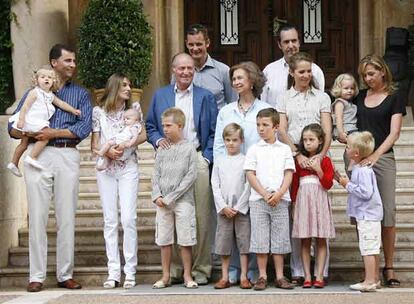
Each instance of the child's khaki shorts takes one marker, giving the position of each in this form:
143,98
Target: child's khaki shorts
369,234
181,216
229,228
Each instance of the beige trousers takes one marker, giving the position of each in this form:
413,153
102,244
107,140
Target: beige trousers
60,181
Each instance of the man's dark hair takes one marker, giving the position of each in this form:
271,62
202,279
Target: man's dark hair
56,51
194,29
286,27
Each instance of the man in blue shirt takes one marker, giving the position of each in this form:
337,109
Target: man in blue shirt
60,179
210,74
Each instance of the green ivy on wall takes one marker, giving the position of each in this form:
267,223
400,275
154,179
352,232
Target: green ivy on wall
6,67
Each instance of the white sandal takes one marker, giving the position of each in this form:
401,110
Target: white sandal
191,285
109,284
129,284
161,284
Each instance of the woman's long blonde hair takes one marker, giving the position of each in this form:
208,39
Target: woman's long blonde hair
110,95
379,64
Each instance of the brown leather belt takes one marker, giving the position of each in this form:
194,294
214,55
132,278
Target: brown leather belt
62,145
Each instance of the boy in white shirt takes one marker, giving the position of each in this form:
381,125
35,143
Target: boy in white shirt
231,195
269,169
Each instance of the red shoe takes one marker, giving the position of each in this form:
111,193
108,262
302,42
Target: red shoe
319,284
307,284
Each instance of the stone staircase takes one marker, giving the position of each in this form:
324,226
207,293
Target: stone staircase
90,259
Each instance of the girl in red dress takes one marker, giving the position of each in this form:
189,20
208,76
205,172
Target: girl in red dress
312,216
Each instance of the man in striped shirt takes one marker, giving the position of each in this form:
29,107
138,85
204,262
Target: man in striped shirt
60,179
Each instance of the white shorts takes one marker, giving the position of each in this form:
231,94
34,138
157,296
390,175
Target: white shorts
369,233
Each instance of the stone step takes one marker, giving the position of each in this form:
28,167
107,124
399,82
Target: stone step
87,184
401,148
405,214
349,252
146,234
86,275
404,163
404,180
347,233
90,276
86,256
339,196
90,236
354,271
94,218
87,168
92,200
150,254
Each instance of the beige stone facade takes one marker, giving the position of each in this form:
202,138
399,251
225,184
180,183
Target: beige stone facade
43,23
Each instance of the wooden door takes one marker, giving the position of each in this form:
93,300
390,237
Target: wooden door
255,40
336,53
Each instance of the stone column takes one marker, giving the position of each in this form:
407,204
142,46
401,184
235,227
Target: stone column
39,25
13,206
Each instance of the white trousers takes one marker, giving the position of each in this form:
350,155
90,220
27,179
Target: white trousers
60,180
123,185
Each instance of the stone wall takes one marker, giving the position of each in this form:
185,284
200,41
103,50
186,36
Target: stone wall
40,24
375,16
13,207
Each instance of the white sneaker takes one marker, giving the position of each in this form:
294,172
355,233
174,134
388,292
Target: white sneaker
129,284
34,163
14,170
363,287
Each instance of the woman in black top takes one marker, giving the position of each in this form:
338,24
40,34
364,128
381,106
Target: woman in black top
380,111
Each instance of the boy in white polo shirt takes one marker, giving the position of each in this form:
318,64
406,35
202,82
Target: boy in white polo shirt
269,168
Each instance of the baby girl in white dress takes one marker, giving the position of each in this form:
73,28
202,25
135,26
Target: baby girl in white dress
126,138
34,116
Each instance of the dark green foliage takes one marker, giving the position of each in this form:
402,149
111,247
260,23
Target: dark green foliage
6,68
114,36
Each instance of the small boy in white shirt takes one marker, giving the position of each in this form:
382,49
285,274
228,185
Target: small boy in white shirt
231,195
269,169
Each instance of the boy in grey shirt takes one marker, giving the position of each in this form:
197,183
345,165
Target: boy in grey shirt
175,172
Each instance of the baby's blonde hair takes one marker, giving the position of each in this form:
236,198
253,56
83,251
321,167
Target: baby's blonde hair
35,76
133,112
336,90
364,142
177,115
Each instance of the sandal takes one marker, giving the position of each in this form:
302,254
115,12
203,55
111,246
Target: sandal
307,284
390,282
283,283
128,284
191,285
109,284
161,284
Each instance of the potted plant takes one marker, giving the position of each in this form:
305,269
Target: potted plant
114,36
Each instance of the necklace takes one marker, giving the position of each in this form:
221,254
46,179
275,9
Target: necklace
244,109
